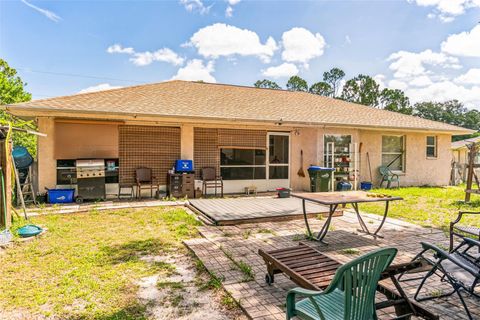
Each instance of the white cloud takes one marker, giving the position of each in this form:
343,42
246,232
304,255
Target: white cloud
99,87
408,64
47,13
445,90
447,10
380,80
195,70
283,70
465,44
472,76
301,45
164,55
229,12
117,48
195,6
420,81
397,84
146,57
224,40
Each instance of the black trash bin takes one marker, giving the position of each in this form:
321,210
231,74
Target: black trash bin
320,178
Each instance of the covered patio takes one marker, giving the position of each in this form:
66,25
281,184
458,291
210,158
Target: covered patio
222,249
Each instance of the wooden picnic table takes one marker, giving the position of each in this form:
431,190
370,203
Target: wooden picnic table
311,269
334,199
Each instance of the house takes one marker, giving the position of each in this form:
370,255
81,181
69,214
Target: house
251,136
460,159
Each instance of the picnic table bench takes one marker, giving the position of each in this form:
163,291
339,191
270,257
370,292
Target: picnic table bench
334,199
311,269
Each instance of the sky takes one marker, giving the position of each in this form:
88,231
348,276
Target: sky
428,48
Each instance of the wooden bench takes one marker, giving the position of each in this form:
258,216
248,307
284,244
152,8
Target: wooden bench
311,269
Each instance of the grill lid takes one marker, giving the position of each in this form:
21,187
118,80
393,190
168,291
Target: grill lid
90,163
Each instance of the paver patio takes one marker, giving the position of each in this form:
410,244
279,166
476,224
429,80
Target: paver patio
220,245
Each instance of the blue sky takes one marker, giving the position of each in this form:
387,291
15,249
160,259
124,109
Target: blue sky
429,48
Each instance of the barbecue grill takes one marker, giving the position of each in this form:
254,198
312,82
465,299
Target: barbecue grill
90,179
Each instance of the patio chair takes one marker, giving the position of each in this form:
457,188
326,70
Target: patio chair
460,268
211,180
145,181
461,231
350,295
388,176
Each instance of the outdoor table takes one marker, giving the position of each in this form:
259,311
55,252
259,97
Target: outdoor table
334,199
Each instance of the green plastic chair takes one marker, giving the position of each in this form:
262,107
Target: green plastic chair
388,176
350,295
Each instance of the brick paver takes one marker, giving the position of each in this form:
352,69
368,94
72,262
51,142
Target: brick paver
261,301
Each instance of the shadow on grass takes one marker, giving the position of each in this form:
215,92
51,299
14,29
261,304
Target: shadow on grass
472,204
132,312
133,250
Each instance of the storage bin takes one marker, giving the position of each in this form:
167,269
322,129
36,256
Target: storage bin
320,178
364,185
60,195
183,166
283,192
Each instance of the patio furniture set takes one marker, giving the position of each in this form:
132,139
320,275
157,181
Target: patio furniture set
335,291
179,184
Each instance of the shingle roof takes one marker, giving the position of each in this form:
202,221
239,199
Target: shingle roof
229,102
463,143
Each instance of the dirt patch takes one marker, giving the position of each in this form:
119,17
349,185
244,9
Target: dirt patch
182,294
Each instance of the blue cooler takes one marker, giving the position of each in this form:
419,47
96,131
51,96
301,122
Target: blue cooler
60,195
182,166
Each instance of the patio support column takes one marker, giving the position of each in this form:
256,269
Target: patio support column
46,154
186,145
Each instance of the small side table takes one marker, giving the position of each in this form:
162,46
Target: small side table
251,189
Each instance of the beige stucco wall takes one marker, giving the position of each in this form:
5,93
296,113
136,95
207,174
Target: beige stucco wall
419,170
47,173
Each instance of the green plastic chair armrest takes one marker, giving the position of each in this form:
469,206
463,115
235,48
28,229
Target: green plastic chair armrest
304,292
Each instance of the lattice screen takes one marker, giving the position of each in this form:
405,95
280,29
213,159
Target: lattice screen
147,146
242,138
207,142
205,150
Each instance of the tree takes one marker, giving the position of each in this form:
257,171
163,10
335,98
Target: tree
395,100
268,84
333,78
362,89
296,83
12,91
321,88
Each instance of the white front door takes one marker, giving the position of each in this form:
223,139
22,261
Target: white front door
278,160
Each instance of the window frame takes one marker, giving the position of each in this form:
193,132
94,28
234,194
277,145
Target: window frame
404,153
244,165
435,147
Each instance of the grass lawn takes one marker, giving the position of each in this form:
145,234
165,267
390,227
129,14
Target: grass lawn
86,265
428,206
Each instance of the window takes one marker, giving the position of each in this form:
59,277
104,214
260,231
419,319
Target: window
393,152
242,164
431,147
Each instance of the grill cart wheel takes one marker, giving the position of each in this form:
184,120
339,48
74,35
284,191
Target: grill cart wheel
78,200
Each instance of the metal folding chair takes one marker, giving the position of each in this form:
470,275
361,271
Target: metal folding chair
460,268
